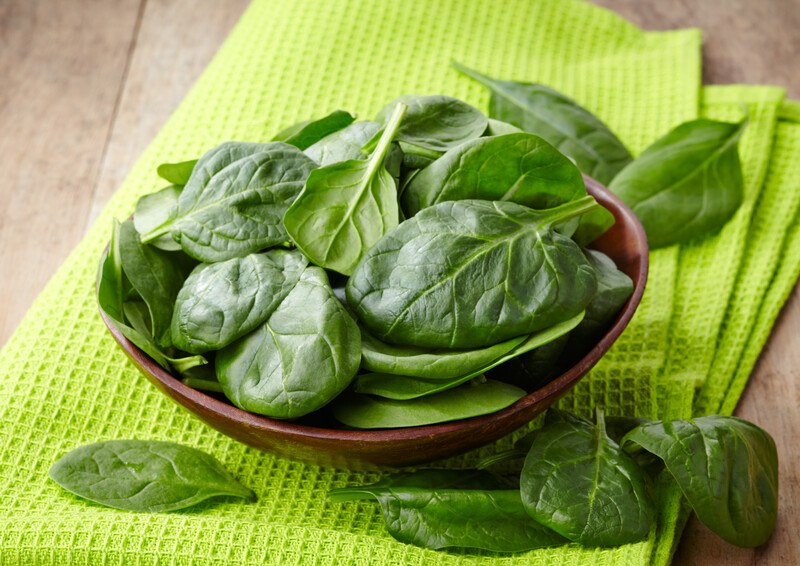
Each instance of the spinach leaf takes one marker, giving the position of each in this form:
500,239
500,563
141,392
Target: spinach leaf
177,173
454,508
575,131
346,207
111,282
580,483
155,210
233,205
469,400
435,123
155,276
726,467
410,387
303,356
144,475
343,145
221,302
471,273
686,185
305,134
520,168
500,128
533,369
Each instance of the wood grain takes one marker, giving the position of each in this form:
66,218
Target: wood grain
87,83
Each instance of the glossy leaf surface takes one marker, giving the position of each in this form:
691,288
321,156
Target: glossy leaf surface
304,134
177,173
343,145
155,210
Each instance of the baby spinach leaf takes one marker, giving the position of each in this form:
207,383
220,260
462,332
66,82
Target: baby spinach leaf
177,173
402,387
469,400
436,518
686,185
303,356
304,134
500,128
155,276
593,225
520,168
471,273
346,207
580,483
144,475
221,302
233,205
155,210
425,478
533,369
575,131
726,467
343,145
435,123
110,298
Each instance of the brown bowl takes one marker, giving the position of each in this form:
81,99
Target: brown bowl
625,243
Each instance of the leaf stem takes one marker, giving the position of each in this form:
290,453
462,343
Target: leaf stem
471,73
155,233
389,131
572,209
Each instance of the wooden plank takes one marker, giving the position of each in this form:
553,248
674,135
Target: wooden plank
62,66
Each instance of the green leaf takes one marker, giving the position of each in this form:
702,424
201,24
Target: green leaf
726,467
471,273
575,131
221,302
343,145
234,203
408,387
435,123
500,128
469,400
686,185
520,168
144,475
177,173
304,134
346,207
155,210
454,508
155,276
304,355
580,483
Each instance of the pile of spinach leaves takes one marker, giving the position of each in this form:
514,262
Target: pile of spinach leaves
589,482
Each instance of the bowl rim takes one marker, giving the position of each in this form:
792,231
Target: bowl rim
555,388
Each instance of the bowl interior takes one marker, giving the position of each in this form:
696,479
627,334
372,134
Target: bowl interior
625,243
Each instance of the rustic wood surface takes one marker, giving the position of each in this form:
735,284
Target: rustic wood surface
85,84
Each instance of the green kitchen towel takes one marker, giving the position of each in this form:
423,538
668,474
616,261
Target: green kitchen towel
64,382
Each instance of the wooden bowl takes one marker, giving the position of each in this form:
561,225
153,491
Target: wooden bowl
625,243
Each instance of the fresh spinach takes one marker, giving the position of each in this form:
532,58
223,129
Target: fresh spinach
156,209
343,145
521,168
305,134
454,508
500,128
469,400
686,185
403,387
575,131
144,475
726,467
233,204
346,207
304,355
444,278
580,483
177,173
221,302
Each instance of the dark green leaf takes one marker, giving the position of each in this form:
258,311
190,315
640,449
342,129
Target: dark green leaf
303,356
343,145
575,131
425,478
726,467
304,134
686,185
177,173
345,208
580,483
155,210
520,168
142,475
233,205
469,400
221,302
470,273
593,225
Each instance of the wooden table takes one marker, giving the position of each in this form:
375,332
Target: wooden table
85,85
